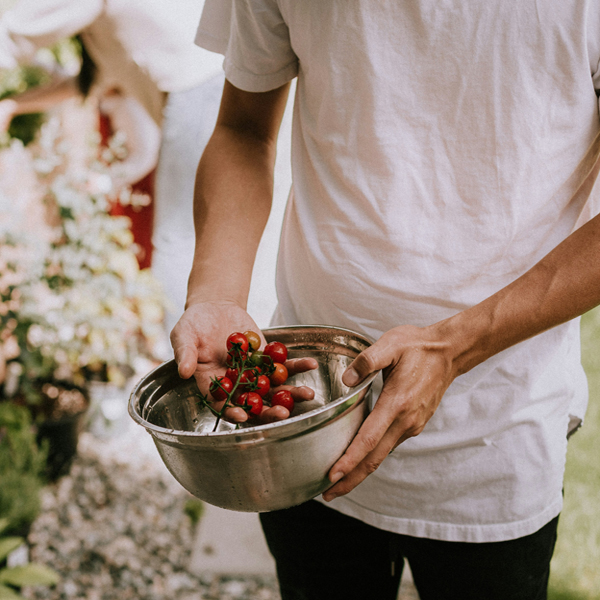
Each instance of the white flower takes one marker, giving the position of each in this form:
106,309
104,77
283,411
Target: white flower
99,184
80,287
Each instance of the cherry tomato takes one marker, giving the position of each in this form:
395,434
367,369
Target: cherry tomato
263,385
256,359
244,379
283,398
253,340
276,351
237,344
220,388
279,374
252,402
233,374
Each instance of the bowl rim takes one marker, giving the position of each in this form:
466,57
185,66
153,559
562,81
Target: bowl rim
254,430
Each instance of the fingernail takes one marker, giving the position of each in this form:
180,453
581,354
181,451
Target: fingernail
336,477
329,497
350,377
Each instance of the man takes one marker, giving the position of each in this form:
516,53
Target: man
444,158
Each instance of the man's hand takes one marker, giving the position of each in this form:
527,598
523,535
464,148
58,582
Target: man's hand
198,342
417,370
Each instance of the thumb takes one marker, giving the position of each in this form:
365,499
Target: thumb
362,366
186,358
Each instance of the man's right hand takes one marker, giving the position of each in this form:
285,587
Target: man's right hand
198,342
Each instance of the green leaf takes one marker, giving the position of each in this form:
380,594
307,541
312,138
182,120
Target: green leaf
4,524
7,594
8,544
31,574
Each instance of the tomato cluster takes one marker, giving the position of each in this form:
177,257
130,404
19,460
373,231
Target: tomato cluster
251,375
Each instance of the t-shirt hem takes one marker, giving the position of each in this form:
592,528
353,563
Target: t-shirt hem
252,82
210,42
448,532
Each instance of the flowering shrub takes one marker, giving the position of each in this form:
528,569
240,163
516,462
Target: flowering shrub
74,304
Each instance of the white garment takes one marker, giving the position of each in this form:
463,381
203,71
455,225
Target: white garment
437,149
144,47
190,119
142,138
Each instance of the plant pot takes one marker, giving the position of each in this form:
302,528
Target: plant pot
62,437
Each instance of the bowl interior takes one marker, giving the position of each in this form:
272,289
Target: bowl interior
164,401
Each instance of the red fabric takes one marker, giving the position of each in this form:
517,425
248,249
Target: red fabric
141,217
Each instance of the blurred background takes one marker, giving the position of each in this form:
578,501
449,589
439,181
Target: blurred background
100,135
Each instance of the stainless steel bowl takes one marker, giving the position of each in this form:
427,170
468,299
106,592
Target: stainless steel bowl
265,467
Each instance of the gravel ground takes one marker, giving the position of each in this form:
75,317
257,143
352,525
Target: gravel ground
115,528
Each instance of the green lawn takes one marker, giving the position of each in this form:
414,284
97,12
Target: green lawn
575,571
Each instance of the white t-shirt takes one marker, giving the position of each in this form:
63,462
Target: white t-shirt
438,150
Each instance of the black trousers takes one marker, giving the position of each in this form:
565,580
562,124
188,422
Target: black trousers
322,554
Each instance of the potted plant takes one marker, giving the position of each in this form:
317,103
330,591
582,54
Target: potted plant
74,305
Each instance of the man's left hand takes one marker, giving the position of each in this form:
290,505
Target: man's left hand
417,368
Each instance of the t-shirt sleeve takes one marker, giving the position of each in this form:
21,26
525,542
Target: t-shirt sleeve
255,40
213,30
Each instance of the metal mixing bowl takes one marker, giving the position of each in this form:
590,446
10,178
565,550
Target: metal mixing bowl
264,467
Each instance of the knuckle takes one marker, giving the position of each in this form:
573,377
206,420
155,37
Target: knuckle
414,427
371,465
417,430
370,442
366,361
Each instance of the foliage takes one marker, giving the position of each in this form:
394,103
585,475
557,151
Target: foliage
64,55
14,578
22,463
194,509
74,304
575,574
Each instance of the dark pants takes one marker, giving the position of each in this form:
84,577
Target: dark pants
322,554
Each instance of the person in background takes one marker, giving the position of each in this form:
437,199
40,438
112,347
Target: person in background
141,50
444,202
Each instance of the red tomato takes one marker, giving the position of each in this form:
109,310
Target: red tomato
237,344
263,385
283,398
279,374
220,388
276,351
251,401
253,340
232,374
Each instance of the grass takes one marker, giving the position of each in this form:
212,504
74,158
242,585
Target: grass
575,570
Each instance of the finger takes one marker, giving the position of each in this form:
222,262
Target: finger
384,423
186,357
365,468
376,357
301,365
300,393
235,414
272,414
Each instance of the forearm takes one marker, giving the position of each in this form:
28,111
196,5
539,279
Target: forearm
562,286
42,98
234,188
233,194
